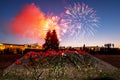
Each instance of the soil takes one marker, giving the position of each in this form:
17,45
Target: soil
7,59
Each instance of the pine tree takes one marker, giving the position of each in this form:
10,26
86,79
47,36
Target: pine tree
51,41
54,40
47,44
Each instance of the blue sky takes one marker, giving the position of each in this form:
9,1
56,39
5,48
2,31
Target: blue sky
107,10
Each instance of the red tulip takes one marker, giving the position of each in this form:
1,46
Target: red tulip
26,57
36,59
85,53
60,53
18,61
42,61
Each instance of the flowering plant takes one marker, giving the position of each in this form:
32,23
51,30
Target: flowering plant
55,61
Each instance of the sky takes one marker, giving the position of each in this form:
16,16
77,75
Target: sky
11,11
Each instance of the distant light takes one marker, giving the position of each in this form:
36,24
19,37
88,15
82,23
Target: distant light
92,48
2,47
11,45
37,47
119,47
1,44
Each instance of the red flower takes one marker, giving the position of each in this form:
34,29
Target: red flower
60,53
53,53
33,54
85,53
26,57
36,59
72,52
42,61
18,61
79,51
40,53
28,54
66,50
46,54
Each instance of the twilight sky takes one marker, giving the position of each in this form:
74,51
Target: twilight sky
108,12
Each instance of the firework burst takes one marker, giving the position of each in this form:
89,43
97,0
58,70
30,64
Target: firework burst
81,19
32,23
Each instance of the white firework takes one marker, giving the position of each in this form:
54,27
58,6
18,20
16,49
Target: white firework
80,19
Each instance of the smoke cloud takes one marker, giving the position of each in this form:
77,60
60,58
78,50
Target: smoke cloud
31,22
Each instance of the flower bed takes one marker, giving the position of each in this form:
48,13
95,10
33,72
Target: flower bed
61,65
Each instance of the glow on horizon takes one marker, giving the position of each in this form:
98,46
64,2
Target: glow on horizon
79,43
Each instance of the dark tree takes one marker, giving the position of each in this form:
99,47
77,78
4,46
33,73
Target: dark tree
47,44
108,45
84,47
51,41
54,40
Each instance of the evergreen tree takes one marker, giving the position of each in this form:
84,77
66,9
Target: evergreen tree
54,40
47,44
51,41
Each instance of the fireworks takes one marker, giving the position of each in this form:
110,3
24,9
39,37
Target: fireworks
81,19
31,22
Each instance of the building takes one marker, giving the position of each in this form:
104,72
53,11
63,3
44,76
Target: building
17,48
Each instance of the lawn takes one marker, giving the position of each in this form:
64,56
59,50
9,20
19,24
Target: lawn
111,59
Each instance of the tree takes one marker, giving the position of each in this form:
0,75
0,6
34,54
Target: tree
47,44
51,41
54,40
84,47
108,45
